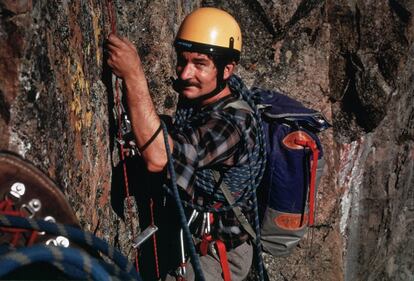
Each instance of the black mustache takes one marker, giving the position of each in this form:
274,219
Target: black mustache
179,84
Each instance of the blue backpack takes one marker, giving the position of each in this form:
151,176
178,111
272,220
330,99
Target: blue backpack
287,194
294,164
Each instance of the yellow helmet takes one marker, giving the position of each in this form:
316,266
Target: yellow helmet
212,31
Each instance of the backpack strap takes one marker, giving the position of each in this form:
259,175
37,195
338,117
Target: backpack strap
314,121
239,105
236,209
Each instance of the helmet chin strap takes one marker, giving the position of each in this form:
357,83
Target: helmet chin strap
220,85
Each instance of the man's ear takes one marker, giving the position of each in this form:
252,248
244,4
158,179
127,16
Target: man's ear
228,70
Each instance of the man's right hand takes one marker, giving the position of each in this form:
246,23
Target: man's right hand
124,59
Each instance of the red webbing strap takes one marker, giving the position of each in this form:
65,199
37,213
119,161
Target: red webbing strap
315,155
7,208
180,278
207,239
112,19
221,248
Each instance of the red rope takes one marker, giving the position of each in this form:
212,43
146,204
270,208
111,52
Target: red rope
122,152
154,239
111,16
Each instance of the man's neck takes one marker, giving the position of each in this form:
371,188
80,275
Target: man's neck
225,92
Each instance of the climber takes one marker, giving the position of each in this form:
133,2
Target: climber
208,134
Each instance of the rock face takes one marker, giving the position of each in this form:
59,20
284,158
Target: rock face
352,60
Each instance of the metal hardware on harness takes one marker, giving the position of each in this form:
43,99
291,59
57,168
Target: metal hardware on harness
48,219
17,190
33,207
203,225
60,241
181,269
125,124
208,228
125,128
144,235
127,139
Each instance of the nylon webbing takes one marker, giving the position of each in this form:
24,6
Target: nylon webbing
237,210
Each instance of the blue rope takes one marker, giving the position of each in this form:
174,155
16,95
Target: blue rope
237,85
195,261
78,236
64,258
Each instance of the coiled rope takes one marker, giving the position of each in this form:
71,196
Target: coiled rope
78,260
68,260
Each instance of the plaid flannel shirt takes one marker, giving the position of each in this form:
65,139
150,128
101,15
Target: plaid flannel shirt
215,142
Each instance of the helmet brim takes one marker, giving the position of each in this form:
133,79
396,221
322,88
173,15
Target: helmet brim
216,51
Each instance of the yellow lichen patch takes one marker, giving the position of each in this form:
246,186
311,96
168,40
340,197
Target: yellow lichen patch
75,106
78,125
80,87
97,32
87,87
88,119
79,84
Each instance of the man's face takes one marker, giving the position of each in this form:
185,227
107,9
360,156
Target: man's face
197,74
